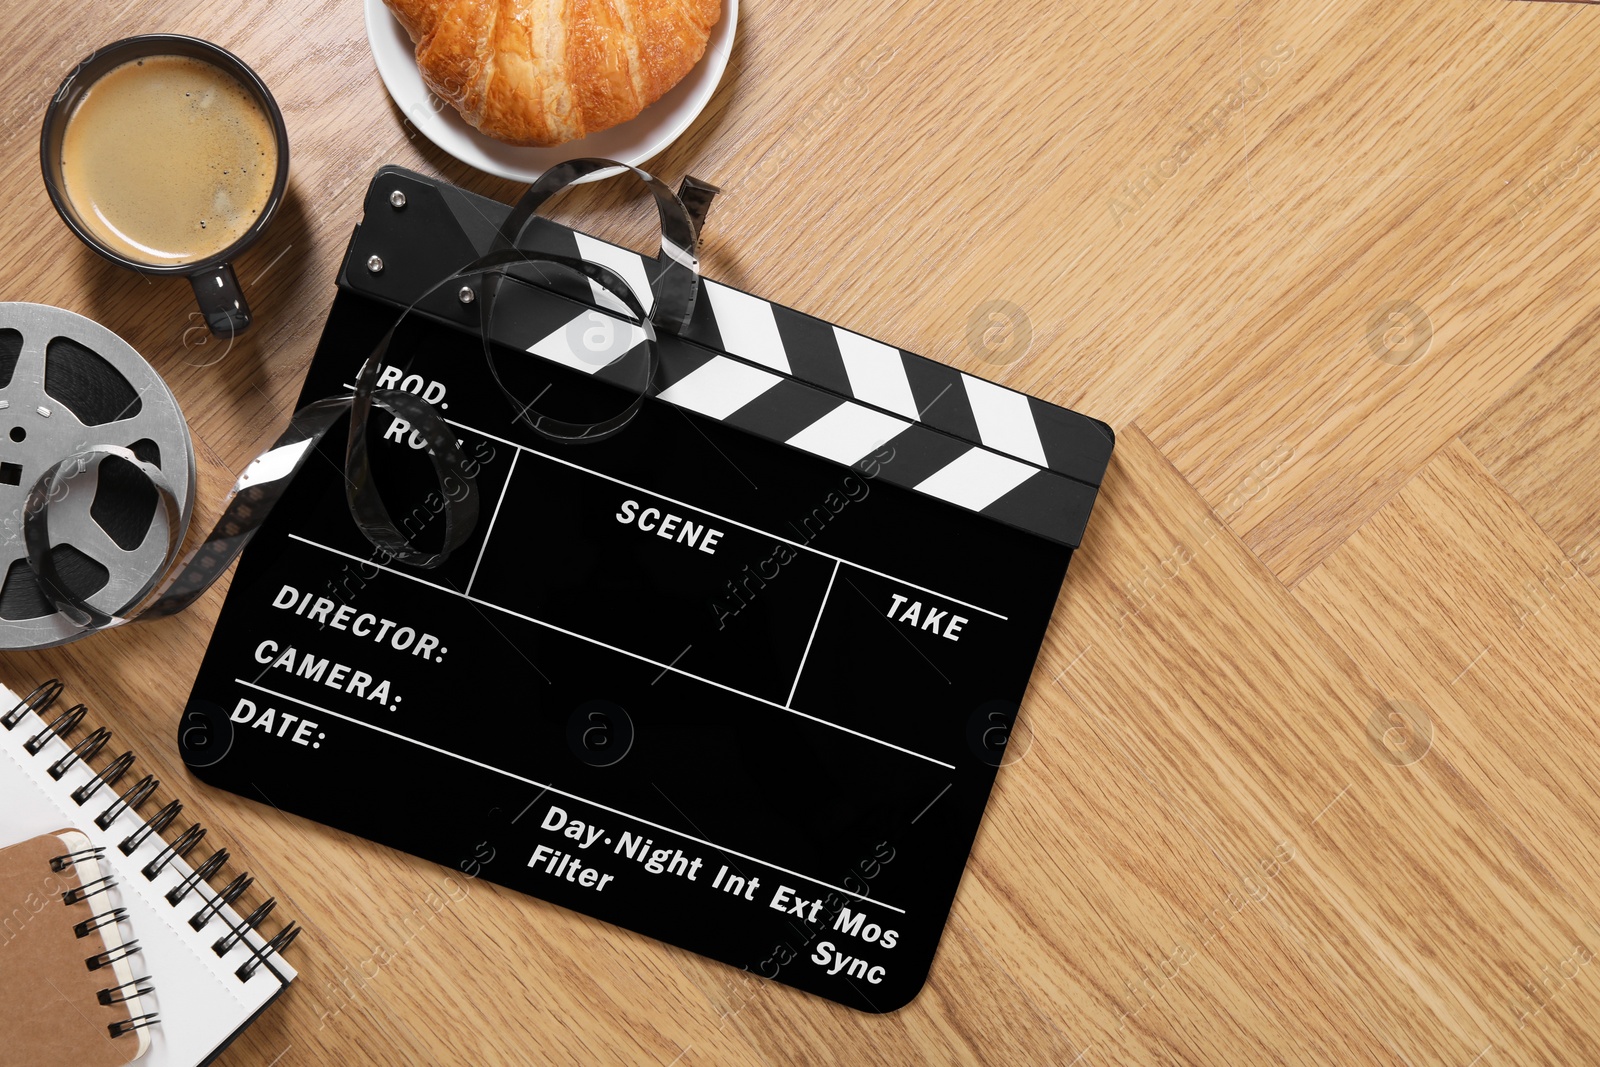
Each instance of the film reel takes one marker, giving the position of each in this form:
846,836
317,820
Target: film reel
68,384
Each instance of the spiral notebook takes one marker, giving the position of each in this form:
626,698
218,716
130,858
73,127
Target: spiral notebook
71,995
199,971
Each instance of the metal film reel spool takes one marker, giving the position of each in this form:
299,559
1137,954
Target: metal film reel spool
68,384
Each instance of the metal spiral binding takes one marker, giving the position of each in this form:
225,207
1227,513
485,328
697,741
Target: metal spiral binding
128,1027
235,934
84,750
180,846
211,866
61,863
44,694
88,889
40,701
230,893
136,794
110,956
153,825
109,775
105,918
117,994
60,726
279,944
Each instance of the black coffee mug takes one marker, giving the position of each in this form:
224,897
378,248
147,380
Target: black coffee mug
215,286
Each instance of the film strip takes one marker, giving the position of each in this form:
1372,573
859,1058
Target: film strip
167,588
64,381
732,356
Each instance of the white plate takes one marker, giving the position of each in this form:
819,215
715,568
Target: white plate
633,141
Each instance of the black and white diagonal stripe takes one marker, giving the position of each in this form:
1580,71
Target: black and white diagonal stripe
895,381
782,408
794,378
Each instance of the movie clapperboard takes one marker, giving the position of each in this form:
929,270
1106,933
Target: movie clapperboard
738,677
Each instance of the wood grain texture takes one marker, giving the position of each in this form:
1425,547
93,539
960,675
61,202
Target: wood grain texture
1306,773
1542,443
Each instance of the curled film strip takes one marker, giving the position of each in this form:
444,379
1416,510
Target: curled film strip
63,592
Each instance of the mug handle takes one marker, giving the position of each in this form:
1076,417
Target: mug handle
221,300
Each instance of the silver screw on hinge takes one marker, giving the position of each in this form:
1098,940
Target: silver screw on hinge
397,200
375,264
466,295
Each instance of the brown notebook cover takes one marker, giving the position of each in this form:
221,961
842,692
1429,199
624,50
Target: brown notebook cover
51,1012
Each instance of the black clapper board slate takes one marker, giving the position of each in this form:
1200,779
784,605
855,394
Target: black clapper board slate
738,677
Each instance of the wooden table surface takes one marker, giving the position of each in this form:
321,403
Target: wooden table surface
1306,772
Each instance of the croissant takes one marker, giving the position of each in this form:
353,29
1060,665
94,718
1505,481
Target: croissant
541,72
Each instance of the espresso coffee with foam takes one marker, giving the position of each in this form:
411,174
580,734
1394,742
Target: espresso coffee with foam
168,160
